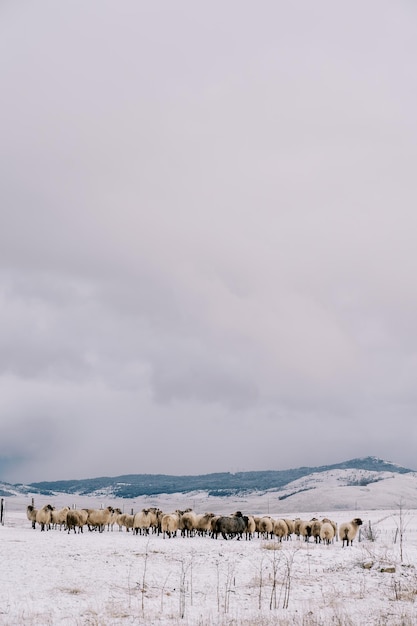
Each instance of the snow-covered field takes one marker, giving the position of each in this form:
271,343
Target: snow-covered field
115,577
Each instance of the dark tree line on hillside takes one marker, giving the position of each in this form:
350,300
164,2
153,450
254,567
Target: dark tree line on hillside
216,484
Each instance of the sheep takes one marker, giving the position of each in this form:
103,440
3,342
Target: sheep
43,516
98,518
76,519
204,523
327,533
59,518
291,527
31,513
127,520
169,524
189,521
330,521
305,529
315,530
297,523
142,522
118,519
113,519
280,529
181,526
250,527
213,524
156,515
348,530
231,526
250,524
266,527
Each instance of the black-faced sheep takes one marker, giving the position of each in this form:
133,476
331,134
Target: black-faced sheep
113,519
99,518
156,516
305,529
31,514
348,531
43,516
142,522
251,526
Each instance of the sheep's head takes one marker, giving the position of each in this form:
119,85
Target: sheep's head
358,521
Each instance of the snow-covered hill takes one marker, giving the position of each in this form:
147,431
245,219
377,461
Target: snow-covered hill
345,489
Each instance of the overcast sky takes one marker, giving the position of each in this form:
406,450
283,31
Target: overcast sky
208,241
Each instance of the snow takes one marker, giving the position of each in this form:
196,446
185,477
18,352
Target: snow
112,578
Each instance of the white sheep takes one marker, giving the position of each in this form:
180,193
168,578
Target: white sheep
204,523
297,523
213,525
280,529
291,527
265,527
327,533
142,522
43,516
99,518
348,531
127,520
333,523
59,518
113,519
156,515
251,527
315,529
169,524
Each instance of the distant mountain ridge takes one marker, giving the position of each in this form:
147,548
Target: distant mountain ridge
222,484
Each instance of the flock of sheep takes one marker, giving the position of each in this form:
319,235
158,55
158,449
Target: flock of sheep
189,523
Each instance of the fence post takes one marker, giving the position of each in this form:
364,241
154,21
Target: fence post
2,512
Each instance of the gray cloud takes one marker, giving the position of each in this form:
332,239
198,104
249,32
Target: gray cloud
207,242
